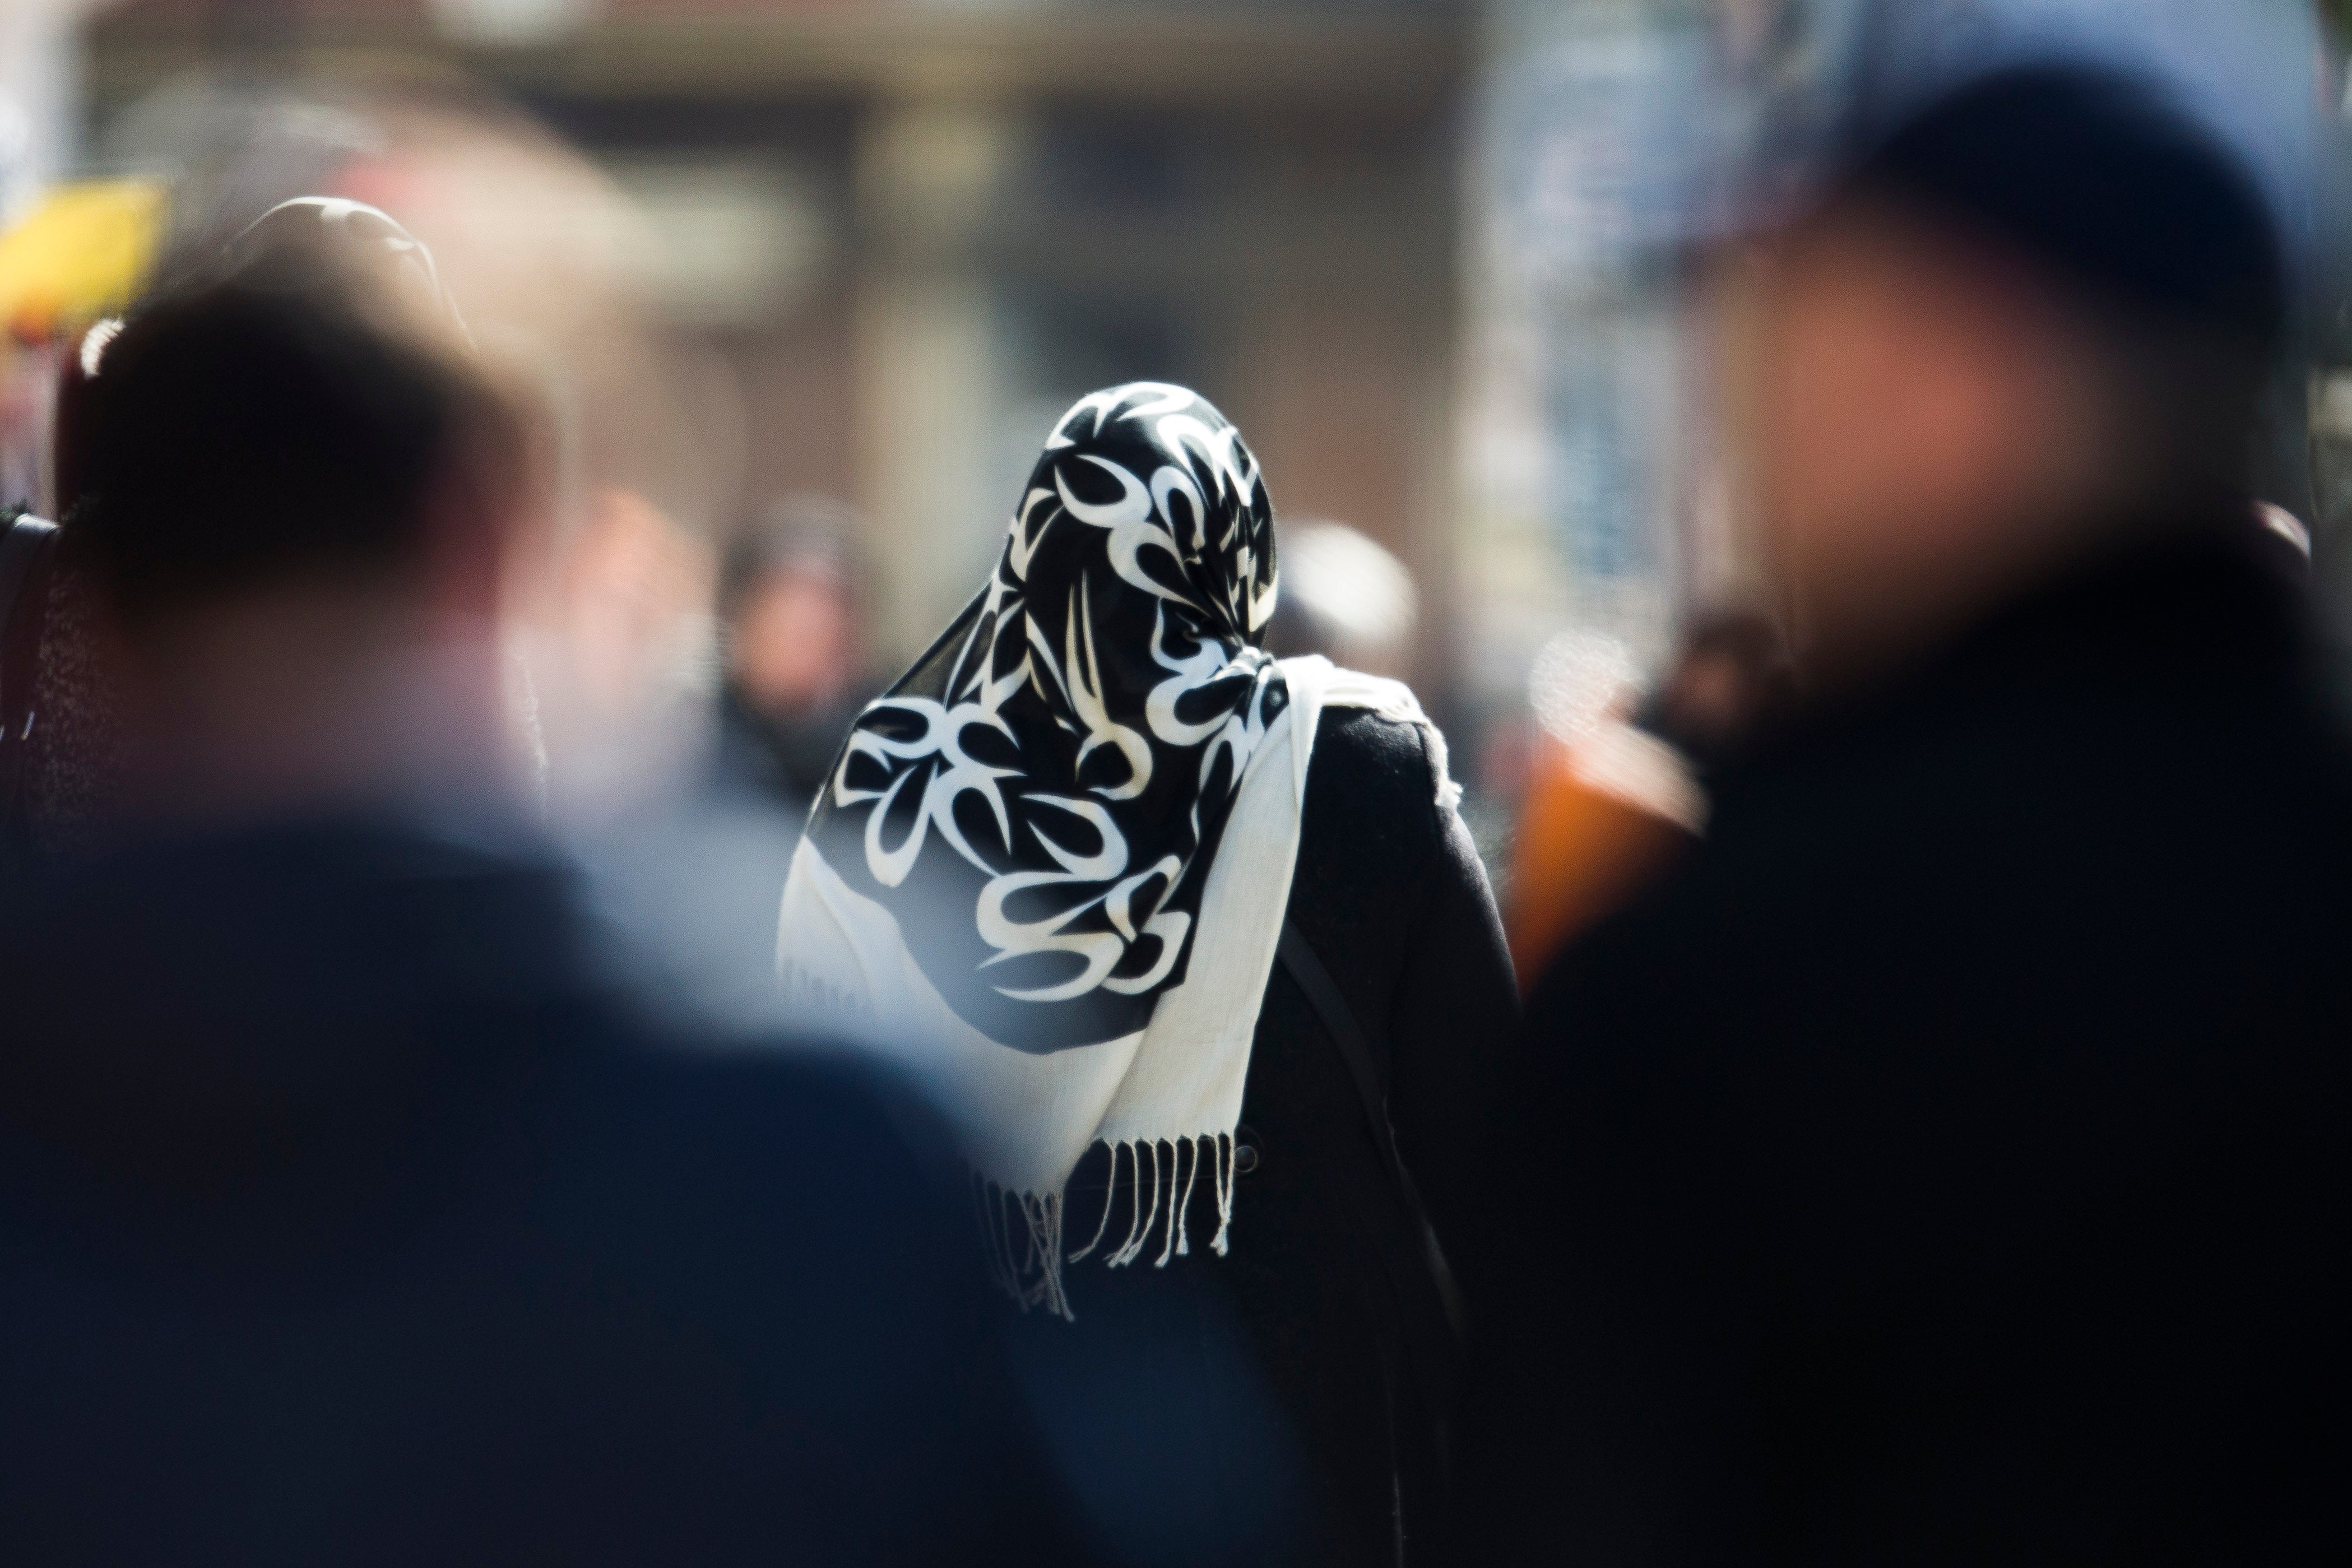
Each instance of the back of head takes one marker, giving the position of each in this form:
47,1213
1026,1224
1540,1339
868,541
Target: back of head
296,411
305,500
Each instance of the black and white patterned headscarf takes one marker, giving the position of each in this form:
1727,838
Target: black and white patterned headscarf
1049,872
1038,799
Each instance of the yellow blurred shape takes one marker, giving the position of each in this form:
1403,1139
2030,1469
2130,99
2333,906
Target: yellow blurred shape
83,253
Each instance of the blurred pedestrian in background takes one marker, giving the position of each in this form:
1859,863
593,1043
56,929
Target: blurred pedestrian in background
62,731
1195,944
27,549
615,643
1345,596
1946,1164
348,1209
695,869
792,650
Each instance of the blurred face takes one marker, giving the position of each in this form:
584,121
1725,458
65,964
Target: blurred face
1922,421
792,644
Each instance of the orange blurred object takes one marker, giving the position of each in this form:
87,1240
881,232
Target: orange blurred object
1586,845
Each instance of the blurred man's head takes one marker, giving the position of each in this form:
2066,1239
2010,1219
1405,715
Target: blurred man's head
2036,315
304,497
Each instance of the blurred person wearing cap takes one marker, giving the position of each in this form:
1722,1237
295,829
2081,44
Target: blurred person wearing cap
695,871
350,1209
1947,1162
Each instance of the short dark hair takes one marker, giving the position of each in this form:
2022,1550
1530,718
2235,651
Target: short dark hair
280,420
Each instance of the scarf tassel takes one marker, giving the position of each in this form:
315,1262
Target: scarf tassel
1024,1230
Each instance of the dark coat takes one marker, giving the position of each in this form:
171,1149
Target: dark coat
1951,1163
1313,1291
347,1215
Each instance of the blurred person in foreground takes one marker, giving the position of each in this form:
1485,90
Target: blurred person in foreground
1947,1163
347,1210
1194,942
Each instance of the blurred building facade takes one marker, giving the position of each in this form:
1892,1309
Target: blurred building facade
913,233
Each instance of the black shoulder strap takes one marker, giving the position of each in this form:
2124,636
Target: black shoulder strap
1339,1021
27,545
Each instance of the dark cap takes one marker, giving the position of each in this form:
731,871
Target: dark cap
2102,182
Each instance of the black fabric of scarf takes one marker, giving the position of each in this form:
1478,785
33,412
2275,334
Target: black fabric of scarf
1037,800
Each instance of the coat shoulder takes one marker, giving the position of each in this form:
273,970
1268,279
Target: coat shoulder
1371,774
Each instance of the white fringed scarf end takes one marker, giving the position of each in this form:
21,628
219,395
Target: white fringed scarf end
1024,1230
1030,1118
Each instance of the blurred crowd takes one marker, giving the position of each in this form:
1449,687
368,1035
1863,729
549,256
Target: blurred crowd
525,1036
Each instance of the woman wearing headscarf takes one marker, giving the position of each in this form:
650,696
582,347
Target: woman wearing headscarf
1194,944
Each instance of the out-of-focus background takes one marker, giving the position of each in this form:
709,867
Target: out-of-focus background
807,281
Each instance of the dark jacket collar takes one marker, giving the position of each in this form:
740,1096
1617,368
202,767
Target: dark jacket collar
2207,609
